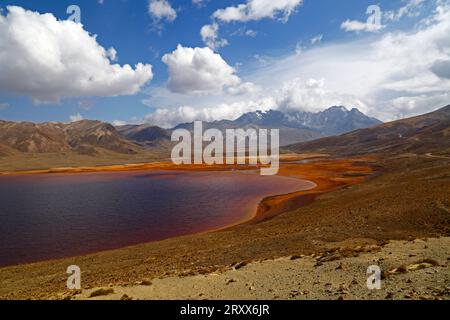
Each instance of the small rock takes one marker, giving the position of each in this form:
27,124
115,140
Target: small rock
101,292
318,264
145,283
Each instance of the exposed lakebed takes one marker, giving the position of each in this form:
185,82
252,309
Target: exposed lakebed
52,216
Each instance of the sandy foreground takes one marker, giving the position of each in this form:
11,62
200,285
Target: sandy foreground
408,272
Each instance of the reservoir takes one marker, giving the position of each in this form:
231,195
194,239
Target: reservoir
49,216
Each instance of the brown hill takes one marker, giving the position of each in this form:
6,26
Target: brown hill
87,135
82,137
145,134
426,133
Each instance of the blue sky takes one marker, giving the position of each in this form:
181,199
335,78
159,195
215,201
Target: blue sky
300,55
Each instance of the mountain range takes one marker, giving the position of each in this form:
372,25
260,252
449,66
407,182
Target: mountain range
301,131
294,126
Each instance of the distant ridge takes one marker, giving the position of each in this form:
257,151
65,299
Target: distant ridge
298,126
425,133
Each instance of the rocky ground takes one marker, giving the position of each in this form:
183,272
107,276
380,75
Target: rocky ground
408,272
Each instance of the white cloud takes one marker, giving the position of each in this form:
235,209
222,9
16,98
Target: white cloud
111,53
76,117
312,95
199,3
118,123
169,117
161,10
244,89
258,9
210,36
198,71
245,32
317,39
49,59
252,10
354,25
411,9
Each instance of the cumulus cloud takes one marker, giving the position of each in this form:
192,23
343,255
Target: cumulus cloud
169,117
198,71
49,59
161,10
210,36
312,95
257,10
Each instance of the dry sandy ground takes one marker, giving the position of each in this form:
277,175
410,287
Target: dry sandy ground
416,269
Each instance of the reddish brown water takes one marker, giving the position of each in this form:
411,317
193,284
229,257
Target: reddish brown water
53,216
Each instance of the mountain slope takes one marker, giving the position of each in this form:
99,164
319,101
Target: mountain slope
332,121
425,133
146,135
82,137
30,137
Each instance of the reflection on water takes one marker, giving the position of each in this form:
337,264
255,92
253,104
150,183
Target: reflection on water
52,216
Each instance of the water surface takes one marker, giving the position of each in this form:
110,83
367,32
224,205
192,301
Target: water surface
60,215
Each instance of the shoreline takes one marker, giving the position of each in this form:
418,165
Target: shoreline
266,208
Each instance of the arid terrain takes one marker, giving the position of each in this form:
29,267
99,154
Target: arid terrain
408,274
368,208
408,201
